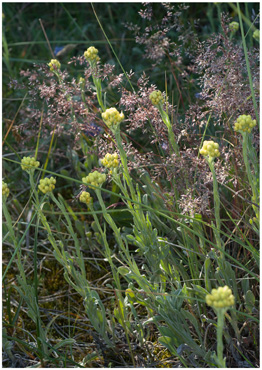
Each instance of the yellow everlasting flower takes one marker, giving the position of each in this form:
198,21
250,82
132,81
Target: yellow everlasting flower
244,123
85,197
210,148
47,184
5,189
234,26
112,117
110,160
91,55
94,178
29,163
54,65
156,98
220,298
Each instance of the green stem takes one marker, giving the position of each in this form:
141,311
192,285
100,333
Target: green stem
247,165
210,161
123,157
98,86
240,15
220,325
168,124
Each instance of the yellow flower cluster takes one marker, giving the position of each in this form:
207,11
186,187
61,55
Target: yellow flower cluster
112,117
220,298
54,65
5,189
234,26
29,163
256,35
95,178
244,123
47,184
210,148
110,160
85,197
156,97
91,54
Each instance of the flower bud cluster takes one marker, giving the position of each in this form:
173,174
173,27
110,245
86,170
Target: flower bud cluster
210,148
85,197
5,189
110,160
220,298
91,55
54,65
95,178
256,35
156,98
234,26
244,123
29,163
112,117
47,184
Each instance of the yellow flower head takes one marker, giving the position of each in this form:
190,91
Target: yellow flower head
110,160
210,148
156,98
94,178
220,298
29,163
85,198
47,184
244,123
54,65
5,189
91,55
234,26
112,117
256,35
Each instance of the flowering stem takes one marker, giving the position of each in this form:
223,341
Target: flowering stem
124,162
97,82
220,325
240,15
171,135
210,161
247,165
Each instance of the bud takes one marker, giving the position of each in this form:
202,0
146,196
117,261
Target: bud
220,298
47,184
210,148
244,123
54,65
